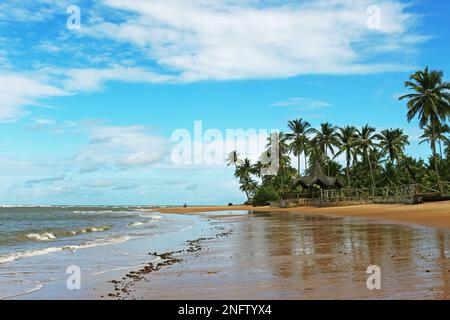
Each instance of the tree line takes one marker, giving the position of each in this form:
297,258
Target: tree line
372,158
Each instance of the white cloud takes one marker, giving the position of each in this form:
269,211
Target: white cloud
17,91
93,79
47,46
188,41
121,147
46,180
31,10
303,103
221,40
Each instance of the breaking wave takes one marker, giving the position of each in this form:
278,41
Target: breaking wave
10,257
47,236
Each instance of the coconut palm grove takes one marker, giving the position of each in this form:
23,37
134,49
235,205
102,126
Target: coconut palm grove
373,157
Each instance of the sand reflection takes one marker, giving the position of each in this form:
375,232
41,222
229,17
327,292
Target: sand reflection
325,257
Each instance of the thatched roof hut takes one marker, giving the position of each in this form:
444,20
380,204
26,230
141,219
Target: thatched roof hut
319,178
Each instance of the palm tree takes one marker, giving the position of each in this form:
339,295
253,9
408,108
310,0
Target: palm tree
243,172
441,135
430,102
365,141
447,149
392,142
277,142
427,135
326,139
233,159
346,137
299,139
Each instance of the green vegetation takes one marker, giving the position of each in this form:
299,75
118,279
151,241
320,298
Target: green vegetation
372,158
264,195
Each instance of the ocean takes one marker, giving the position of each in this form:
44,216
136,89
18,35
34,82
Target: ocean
38,244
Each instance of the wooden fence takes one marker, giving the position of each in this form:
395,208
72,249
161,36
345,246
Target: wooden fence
408,191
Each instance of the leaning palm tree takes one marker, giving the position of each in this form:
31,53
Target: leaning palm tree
278,141
365,142
299,139
346,137
430,102
326,139
243,172
233,159
392,142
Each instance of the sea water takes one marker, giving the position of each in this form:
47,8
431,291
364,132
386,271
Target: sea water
38,245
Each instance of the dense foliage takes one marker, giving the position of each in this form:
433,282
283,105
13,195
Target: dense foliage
264,195
372,158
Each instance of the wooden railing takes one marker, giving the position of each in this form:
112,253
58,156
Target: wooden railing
407,191
442,187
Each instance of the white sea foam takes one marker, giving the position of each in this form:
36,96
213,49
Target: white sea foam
29,253
140,223
150,216
39,252
46,236
41,237
125,268
13,294
135,224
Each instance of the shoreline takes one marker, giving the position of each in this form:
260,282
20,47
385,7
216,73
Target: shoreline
259,256
129,285
432,214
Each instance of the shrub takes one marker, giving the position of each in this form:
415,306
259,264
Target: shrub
264,195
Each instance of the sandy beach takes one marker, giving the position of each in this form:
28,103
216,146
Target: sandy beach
434,214
290,255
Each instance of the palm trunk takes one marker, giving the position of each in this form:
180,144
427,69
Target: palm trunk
348,175
349,158
306,164
433,146
298,163
370,167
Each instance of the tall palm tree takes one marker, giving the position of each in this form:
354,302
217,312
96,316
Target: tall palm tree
430,102
233,159
365,142
392,142
326,139
299,139
346,137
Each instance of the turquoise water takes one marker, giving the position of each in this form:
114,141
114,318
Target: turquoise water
37,244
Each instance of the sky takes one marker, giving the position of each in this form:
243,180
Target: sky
96,96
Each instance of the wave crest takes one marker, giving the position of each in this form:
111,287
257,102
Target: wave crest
47,236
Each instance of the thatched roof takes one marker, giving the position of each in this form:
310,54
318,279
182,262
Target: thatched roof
319,178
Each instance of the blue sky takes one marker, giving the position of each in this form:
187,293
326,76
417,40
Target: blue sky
87,115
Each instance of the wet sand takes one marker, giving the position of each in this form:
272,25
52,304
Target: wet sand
435,214
288,255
